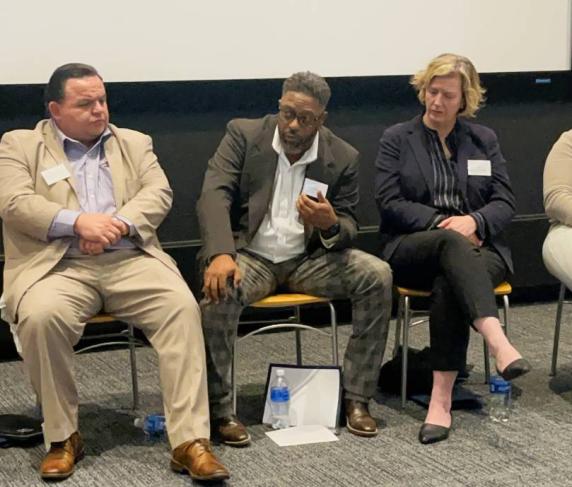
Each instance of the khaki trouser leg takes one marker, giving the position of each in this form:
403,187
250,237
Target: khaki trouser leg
142,291
50,318
557,253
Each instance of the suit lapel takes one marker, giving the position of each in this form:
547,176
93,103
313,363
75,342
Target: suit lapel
417,142
464,149
321,170
114,158
262,170
57,155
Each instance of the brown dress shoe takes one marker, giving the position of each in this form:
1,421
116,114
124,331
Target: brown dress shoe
359,421
230,431
197,459
59,462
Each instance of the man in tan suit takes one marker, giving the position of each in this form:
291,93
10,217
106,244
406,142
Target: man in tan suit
80,201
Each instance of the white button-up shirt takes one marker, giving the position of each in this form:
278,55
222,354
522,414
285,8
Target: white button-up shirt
280,236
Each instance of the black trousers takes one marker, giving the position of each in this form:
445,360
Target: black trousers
462,278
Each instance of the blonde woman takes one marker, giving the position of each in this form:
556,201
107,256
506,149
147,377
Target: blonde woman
445,198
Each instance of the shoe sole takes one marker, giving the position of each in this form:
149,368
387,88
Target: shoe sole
434,440
365,434
244,442
511,375
179,468
219,439
60,476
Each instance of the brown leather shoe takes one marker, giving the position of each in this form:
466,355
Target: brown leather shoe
230,431
197,459
359,421
59,462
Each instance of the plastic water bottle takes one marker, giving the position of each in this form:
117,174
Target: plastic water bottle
280,402
153,425
500,399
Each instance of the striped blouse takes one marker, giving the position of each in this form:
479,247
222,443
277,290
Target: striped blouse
447,197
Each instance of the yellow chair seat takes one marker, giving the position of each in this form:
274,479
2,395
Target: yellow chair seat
504,288
285,300
101,318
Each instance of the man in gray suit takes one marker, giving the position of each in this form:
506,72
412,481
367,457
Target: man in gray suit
277,209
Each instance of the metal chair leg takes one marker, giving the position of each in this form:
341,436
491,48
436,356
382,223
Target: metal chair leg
298,334
506,308
334,325
561,294
487,362
404,348
398,323
233,376
133,359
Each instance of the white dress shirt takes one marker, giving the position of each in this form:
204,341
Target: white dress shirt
280,236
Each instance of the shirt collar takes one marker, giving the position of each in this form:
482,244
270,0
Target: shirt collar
63,137
451,139
309,156
433,132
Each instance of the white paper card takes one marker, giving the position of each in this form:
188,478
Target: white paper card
314,395
302,435
479,167
311,188
55,174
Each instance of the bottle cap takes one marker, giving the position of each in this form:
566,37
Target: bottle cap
498,384
280,372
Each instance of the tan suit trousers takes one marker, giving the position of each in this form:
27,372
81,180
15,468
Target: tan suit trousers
135,288
557,253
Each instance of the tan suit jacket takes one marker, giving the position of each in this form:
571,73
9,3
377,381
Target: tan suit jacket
28,204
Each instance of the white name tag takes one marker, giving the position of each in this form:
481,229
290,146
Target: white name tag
312,187
55,174
479,167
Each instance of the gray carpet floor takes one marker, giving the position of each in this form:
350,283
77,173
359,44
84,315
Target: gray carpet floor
532,449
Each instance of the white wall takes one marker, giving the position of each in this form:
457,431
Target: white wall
140,40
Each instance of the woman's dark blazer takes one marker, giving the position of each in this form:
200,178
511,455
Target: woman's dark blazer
404,183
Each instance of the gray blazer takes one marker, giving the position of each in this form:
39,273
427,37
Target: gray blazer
237,188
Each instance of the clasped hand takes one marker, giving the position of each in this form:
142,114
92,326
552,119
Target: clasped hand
97,231
465,225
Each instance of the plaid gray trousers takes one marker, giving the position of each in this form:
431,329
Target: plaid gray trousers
346,274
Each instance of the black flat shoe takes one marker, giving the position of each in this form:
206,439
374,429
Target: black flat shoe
432,433
515,369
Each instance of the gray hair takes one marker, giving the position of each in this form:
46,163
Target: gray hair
310,84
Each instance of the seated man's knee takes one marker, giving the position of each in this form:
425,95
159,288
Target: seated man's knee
375,272
42,317
452,240
183,302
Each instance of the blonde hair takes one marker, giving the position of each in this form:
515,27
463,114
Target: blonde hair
445,64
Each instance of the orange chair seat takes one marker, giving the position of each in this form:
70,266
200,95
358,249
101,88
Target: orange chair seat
101,318
285,300
502,289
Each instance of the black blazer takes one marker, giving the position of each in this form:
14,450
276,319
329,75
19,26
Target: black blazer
404,183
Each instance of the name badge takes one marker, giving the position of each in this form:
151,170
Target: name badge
55,174
311,188
479,167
